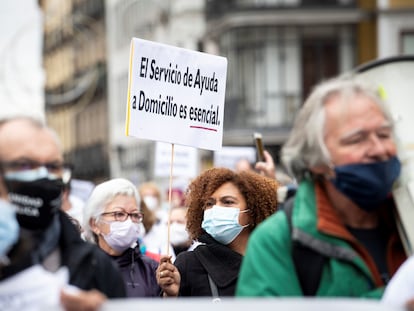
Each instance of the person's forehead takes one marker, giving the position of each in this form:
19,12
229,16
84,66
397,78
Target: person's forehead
228,188
126,202
351,113
20,139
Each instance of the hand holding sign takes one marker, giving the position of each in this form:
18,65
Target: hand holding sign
175,96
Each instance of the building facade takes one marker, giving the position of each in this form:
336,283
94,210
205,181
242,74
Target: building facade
276,50
175,22
395,28
76,86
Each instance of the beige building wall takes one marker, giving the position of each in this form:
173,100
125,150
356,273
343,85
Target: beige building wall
74,60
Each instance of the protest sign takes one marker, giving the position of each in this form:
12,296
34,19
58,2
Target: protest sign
34,288
245,303
228,156
175,95
185,164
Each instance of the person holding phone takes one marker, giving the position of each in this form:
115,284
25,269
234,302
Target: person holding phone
343,153
265,164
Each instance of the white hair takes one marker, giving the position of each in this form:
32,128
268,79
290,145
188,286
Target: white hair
101,196
305,147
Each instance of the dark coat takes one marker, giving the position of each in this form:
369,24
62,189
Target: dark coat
89,266
138,272
213,258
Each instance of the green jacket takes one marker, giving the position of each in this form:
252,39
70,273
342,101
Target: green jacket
268,269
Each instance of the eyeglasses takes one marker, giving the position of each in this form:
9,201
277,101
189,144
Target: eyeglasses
26,165
122,216
61,169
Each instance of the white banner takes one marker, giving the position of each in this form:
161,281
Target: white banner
185,161
175,95
229,156
258,303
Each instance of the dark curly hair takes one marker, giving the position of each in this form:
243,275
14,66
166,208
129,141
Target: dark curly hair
258,191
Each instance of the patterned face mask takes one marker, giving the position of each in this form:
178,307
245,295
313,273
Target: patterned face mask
37,196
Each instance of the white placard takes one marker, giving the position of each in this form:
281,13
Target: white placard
229,156
245,303
175,95
34,288
185,161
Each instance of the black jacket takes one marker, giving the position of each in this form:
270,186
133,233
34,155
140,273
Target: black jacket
213,258
138,272
89,266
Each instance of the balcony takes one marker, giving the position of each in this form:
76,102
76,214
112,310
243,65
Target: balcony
90,163
218,8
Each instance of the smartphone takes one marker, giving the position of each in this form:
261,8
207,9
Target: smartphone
259,146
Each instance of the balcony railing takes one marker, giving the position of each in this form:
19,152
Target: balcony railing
275,110
218,8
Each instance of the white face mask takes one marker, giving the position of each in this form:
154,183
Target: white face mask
122,234
178,234
222,223
151,202
142,231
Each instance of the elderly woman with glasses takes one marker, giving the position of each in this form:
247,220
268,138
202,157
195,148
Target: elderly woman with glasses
113,220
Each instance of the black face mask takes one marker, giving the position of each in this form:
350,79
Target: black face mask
37,201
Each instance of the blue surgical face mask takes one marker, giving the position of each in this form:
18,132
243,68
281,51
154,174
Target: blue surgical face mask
222,223
367,184
9,228
30,175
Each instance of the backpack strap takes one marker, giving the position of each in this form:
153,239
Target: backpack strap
308,263
214,289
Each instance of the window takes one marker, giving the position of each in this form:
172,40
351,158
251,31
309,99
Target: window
271,69
407,42
263,83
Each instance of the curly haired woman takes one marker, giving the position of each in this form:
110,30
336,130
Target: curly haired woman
223,209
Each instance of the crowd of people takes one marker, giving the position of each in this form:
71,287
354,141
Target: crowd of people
241,232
